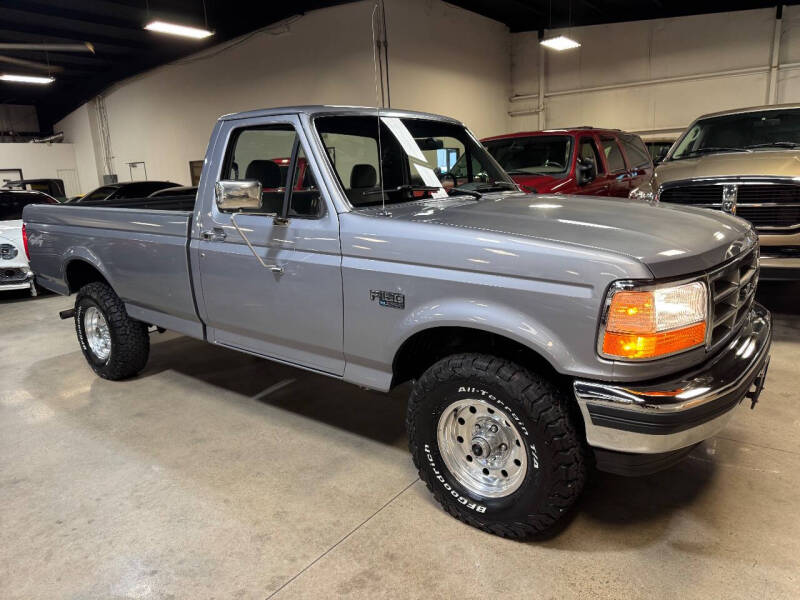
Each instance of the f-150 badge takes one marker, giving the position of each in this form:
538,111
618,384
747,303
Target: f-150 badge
390,299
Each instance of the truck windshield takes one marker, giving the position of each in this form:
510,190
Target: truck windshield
412,158
745,132
535,155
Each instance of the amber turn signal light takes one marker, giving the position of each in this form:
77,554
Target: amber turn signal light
631,345
659,322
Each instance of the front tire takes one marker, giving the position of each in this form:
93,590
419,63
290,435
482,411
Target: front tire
115,346
496,445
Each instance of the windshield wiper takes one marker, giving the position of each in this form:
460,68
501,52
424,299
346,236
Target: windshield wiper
775,145
711,149
501,184
465,191
403,188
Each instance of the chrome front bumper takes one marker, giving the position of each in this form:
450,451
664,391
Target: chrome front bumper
16,282
677,412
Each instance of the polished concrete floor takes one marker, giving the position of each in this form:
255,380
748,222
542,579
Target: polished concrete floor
218,475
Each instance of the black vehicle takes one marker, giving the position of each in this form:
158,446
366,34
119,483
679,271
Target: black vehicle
51,187
121,191
183,190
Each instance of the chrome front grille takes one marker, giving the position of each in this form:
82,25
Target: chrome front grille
769,205
733,289
13,275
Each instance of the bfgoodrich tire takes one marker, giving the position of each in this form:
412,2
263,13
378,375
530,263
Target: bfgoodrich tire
115,346
495,444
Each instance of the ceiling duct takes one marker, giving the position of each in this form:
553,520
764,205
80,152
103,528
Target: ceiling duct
56,137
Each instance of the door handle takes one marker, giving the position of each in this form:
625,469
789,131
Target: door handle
214,235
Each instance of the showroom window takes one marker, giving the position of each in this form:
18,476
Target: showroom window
613,155
265,154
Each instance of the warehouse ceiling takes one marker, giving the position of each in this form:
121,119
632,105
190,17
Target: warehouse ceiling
114,29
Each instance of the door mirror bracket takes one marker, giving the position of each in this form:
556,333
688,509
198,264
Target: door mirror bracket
238,196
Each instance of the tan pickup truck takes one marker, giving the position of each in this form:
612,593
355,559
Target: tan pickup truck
745,162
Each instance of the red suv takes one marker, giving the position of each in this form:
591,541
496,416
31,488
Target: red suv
584,160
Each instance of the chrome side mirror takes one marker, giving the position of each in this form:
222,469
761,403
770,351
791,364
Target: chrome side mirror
238,195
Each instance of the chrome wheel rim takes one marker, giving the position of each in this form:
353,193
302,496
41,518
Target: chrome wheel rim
97,334
482,448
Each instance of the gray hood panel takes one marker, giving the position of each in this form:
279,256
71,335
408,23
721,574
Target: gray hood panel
670,240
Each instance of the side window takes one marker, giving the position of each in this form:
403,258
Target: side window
613,155
636,151
98,194
263,154
588,149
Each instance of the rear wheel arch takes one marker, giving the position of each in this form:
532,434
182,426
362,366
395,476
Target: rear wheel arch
79,272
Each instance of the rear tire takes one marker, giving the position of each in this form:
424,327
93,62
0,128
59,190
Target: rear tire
115,346
515,464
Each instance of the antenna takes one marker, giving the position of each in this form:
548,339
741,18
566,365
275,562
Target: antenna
378,102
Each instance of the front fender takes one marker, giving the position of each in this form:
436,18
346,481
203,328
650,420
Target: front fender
488,316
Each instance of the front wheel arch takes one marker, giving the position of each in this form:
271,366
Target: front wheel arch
426,347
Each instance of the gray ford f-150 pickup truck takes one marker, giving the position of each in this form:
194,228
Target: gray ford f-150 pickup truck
542,335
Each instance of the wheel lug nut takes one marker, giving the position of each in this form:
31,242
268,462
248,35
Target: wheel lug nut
493,428
477,427
503,447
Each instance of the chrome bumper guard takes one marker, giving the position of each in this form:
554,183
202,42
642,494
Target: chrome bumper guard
676,412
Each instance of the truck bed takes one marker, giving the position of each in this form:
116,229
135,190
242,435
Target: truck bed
181,202
146,242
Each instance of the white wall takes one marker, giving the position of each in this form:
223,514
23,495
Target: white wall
40,160
720,61
78,130
442,59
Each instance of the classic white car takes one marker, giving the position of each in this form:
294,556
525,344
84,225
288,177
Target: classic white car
15,273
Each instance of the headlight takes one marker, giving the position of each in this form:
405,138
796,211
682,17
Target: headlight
655,322
641,194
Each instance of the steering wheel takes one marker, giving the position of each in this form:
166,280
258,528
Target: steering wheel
552,163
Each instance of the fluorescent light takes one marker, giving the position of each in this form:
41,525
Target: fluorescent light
26,78
561,42
182,30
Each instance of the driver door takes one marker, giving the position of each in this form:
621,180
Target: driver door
294,312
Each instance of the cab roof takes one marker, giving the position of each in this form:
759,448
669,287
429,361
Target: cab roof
322,109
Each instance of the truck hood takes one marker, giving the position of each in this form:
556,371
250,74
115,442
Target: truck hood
670,240
773,163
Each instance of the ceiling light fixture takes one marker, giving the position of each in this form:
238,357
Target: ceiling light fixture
560,43
181,30
27,78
